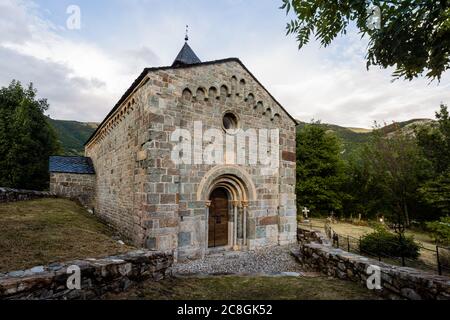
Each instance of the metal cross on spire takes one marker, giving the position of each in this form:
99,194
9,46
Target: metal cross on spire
186,38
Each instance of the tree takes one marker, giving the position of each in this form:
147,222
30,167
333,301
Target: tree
319,169
435,143
26,138
365,195
414,36
396,166
436,193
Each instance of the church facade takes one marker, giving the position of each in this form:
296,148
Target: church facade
195,157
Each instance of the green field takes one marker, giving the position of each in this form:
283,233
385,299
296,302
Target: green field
40,232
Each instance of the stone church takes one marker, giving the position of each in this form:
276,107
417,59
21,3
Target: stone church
130,178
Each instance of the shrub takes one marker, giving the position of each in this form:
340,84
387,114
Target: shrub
374,224
387,244
440,229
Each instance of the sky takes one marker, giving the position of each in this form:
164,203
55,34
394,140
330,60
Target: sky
83,72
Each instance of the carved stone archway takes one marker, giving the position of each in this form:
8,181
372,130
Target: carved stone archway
240,188
234,176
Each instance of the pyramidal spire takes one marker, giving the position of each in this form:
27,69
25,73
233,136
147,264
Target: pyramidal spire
186,55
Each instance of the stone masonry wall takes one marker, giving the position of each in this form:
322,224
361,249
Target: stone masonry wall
121,170
205,93
98,276
80,187
396,282
142,191
11,195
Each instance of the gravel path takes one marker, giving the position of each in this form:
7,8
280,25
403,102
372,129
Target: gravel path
272,260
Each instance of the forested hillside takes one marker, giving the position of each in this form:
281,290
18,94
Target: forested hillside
73,134
352,138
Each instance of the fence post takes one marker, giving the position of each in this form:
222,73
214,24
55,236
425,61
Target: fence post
438,261
402,248
348,243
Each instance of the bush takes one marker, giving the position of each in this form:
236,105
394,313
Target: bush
440,230
387,244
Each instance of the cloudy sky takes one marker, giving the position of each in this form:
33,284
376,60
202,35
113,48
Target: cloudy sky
84,72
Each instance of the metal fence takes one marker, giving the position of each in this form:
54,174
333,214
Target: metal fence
432,258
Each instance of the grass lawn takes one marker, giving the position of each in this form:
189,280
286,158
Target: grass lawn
42,231
248,288
358,231
343,228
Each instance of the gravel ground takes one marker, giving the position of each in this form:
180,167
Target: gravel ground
272,260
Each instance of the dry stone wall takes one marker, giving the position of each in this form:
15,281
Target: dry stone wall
316,253
98,276
11,195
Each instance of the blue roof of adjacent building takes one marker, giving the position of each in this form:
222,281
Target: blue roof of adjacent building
82,165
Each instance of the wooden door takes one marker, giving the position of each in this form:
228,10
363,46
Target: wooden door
218,219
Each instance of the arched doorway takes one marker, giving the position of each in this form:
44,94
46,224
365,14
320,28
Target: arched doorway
218,218
226,192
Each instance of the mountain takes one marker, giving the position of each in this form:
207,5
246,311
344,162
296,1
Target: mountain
352,138
72,135
406,127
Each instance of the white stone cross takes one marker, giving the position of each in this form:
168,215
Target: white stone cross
305,212
332,215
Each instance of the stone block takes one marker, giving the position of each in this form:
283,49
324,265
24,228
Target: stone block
410,294
260,232
168,198
184,239
268,220
151,243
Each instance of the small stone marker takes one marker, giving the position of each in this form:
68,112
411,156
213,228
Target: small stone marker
290,274
305,213
333,220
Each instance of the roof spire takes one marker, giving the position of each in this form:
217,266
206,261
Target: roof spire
187,55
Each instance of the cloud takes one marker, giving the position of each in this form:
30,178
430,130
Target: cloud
333,85
138,59
80,80
70,97
13,22
84,74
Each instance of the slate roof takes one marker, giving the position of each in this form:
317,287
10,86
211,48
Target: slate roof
185,57
81,165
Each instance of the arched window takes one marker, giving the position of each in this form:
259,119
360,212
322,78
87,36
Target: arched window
187,95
